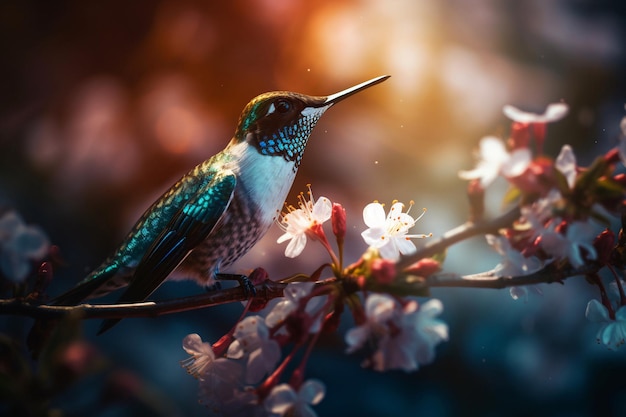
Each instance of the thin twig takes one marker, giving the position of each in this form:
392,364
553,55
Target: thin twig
548,275
437,245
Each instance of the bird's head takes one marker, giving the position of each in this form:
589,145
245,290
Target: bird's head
279,123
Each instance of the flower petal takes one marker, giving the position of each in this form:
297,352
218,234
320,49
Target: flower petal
566,163
518,292
492,149
281,398
312,391
379,307
432,307
555,111
518,163
296,246
374,215
374,237
395,212
356,337
389,250
322,209
284,237
597,312
193,344
620,315
405,245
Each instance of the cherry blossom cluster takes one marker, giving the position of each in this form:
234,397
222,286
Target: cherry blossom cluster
557,226
248,372
565,210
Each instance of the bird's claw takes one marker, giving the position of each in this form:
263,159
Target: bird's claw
245,283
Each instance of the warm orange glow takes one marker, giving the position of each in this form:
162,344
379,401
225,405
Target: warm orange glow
177,129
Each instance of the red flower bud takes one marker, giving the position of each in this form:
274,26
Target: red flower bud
383,270
604,244
338,220
424,267
612,156
44,278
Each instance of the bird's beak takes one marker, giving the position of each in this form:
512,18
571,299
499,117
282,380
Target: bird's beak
334,98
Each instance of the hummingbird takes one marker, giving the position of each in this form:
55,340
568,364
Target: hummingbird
216,212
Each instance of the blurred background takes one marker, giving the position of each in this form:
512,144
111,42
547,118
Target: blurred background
103,105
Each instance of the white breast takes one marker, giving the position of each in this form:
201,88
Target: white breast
267,179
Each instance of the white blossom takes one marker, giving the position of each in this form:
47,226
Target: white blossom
405,336
202,355
284,400
514,263
495,160
294,292
388,233
254,343
578,238
298,221
219,378
612,333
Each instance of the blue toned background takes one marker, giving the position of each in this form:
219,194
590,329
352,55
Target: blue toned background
104,104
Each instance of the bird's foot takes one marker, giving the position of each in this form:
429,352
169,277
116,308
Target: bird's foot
216,286
245,283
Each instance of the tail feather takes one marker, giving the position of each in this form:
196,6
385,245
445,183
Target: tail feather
43,328
80,292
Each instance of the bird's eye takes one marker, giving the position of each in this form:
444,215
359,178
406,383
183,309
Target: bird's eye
282,106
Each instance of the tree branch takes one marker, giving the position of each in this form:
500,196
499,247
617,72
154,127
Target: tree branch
462,232
548,275
22,307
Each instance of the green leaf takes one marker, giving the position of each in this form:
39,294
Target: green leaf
588,178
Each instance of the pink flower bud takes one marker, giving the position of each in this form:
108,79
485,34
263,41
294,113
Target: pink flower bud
45,273
612,156
383,270
604,244
338,220
424,267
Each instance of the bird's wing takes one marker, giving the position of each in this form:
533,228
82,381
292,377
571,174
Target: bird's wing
189,226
